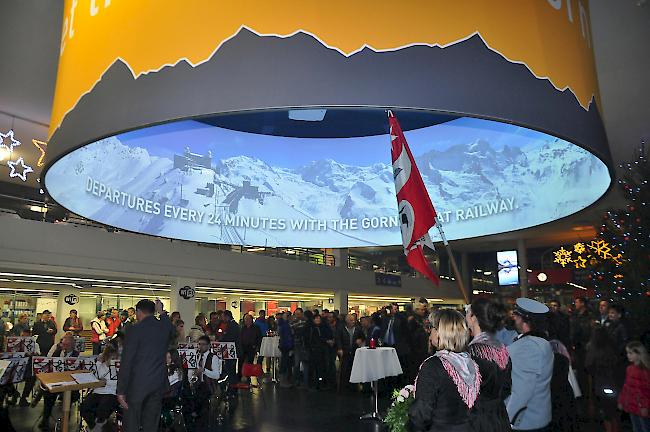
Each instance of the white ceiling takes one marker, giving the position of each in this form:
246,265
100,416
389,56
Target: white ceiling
29,41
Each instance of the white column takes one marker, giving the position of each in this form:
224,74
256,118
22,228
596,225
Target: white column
522,259
341,301
182,297
340,257
233,304
67,300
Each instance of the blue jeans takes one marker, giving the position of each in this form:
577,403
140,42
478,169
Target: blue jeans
640,424
300,360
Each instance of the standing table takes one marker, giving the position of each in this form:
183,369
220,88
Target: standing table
63,382
271,348
371,365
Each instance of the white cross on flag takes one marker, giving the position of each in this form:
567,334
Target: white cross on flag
416,213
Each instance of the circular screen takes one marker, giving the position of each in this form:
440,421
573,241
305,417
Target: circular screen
209,181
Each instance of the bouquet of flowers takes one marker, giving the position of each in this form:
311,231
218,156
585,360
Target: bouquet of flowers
398,413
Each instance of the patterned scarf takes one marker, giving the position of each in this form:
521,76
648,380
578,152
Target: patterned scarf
487,347
464,372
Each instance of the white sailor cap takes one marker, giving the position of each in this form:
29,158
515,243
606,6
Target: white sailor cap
529,307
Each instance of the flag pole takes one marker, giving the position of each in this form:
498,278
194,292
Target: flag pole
452,260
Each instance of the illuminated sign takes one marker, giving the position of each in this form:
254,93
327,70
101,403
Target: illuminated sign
192,180
508,267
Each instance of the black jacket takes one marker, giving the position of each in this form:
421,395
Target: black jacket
250,338
343,342
618,333
45,340
232,334
400,333
489,413
437,405
580,329
143,368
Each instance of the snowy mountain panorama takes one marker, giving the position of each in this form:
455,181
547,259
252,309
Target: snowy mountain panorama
476,188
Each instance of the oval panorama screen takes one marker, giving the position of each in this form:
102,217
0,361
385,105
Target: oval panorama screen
193,181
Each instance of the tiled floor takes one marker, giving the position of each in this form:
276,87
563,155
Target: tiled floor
275,409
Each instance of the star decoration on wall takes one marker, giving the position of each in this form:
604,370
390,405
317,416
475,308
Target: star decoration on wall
22,172
580,262
42,146
8,141
588,254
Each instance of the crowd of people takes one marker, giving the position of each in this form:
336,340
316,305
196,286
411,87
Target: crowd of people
487,369
494,371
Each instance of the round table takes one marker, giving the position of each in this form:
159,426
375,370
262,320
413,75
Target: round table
371,365
271,348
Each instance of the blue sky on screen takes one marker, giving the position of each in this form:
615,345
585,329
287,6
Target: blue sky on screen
171,138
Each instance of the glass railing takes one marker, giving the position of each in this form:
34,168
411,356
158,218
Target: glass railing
313,256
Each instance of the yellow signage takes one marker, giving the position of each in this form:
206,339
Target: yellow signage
550,37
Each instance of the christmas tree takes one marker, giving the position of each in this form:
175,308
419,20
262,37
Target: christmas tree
627,281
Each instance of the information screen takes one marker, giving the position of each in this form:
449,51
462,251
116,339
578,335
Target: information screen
193,181
508,267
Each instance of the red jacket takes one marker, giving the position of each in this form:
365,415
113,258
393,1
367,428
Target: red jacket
636,390
114,325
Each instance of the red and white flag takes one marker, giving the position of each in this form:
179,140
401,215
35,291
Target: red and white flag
416,213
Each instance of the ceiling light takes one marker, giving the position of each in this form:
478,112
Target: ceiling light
81,279
128,287
4,153
243,290
312,115
577,286
542,277
43,282
29,290
38,209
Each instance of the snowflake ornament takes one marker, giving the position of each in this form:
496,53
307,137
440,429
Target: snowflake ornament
579,248
601,248
562,257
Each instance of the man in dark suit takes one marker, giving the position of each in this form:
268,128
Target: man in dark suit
231,334
348,338
394,333
143,373
44,330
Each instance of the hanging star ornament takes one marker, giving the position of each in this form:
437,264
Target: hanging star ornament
580,262
42,147
24,170
8,141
